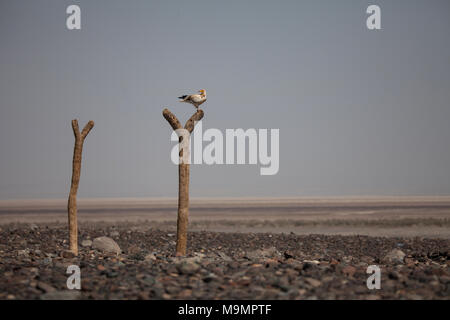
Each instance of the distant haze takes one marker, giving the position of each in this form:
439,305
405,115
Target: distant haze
360,112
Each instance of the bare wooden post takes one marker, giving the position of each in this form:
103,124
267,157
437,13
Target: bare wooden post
183,179
76,171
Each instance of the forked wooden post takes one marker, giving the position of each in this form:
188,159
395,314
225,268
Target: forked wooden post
183,178
76,171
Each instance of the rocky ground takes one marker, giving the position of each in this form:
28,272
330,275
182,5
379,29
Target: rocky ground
137,262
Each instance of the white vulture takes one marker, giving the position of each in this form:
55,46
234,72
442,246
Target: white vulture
195,99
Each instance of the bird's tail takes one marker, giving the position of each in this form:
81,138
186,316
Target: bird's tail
182,97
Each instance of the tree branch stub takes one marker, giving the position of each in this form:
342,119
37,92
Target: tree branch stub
183,179
76,172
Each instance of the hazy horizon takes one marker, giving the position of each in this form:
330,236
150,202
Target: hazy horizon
360,113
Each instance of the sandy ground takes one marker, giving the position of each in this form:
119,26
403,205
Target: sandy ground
374,216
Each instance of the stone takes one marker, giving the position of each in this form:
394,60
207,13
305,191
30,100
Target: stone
199,255
367,259
111,273
114,234
210,277
394,275
150,257
224,256
24,253
396,256
148,280
86,243
188,267
349,271
316,262
8,274
262,253
101,268
289,254
271,261
334,261
106,244
410,262
308,266
185,294
138,256
67,254
45,287
313,282
133,249
62,265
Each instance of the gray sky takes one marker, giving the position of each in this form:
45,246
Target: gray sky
360,112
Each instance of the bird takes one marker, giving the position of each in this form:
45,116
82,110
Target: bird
195,99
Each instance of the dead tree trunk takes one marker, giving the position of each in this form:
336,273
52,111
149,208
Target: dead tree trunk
183,177
76,171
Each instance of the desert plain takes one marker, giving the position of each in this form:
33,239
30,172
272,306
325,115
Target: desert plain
238,248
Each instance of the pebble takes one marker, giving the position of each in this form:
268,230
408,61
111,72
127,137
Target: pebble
185,294
188,267
210,277
114,234
312,261
148,280
224,257
8,274
289,254
150,257
308,266
67,254
106,244
313,282
101,268
133,250
45,287
262,253
24,252
86,243
395,256
349,271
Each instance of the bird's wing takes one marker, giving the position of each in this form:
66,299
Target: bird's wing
195,98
